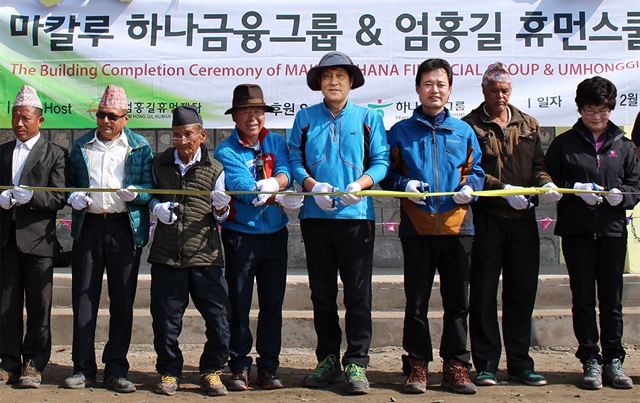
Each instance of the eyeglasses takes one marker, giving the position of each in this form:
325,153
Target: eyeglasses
593,113
188,136
111,116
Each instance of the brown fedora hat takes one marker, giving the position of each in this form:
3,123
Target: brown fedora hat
334,59
245,95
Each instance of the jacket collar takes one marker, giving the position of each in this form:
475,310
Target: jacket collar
614,132
446,124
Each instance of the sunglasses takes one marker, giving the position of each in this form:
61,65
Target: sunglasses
111,116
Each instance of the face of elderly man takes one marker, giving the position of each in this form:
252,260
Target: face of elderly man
335,84
26,122
249,122
187,139
496,96
111,122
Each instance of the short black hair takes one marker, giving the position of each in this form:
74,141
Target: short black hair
434,64
596,91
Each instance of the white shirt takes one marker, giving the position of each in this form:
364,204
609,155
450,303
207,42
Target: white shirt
20,155
106,170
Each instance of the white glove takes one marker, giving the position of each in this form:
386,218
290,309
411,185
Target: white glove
518,202
79,200
614,197
21,195
348,199
414,186
463,196
6,201
551,196
219,199
291,201
164,212
590,198
325,203
265,185
126,195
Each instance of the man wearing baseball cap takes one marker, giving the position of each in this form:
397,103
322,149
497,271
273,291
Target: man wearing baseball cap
338,146
27,242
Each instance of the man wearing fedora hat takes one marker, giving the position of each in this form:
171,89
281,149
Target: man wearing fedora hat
338,146
255,235
186,254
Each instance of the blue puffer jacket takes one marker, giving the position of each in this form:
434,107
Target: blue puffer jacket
338,150
447,157
241,174
138,172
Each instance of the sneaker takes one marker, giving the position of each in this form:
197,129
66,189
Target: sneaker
529,377
8,378
268,379
168,385
356,379
592,374
119,384
239,380
30,378
327,372
614,375
79,381
455,377
486,378
211,384
416,382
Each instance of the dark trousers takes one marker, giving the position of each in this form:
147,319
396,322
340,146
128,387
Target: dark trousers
342,247
103,243
263,257
451,256
25,280
513,248
596,266
170,290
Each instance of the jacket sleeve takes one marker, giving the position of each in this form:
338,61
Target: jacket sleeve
540,175
631,180
237,174
146,175
378,148
472,172
553,161
395,179
300,124
53,201
282,157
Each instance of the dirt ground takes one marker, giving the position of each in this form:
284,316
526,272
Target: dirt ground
558,364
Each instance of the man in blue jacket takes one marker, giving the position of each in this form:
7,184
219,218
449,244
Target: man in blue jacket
109,231
434,152
338,146
255,235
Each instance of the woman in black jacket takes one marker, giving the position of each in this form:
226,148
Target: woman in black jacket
595,156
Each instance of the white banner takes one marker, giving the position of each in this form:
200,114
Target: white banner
171,52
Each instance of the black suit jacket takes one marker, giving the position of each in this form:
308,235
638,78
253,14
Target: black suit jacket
36,220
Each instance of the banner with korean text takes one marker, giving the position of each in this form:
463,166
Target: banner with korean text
171,52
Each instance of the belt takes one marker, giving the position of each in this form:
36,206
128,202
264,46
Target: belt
109,216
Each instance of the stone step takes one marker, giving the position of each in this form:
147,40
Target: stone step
388,292
551,327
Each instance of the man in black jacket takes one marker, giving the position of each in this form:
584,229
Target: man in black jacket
27,242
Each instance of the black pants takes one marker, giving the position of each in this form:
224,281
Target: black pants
263,257
342,247
25,280
596,265
513,248
451,256
170,290
103,243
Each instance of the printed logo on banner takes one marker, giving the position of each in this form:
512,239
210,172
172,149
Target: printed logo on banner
379,107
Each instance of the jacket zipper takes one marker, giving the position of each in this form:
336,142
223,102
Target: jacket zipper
435,166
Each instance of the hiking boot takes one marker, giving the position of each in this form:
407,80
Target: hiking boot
327,372
8,378
239,380
417,380
356,379
168,385
79,381
486,378
268,379
455,377
119,384
211,384
614,375
529,377
592,378
30,378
